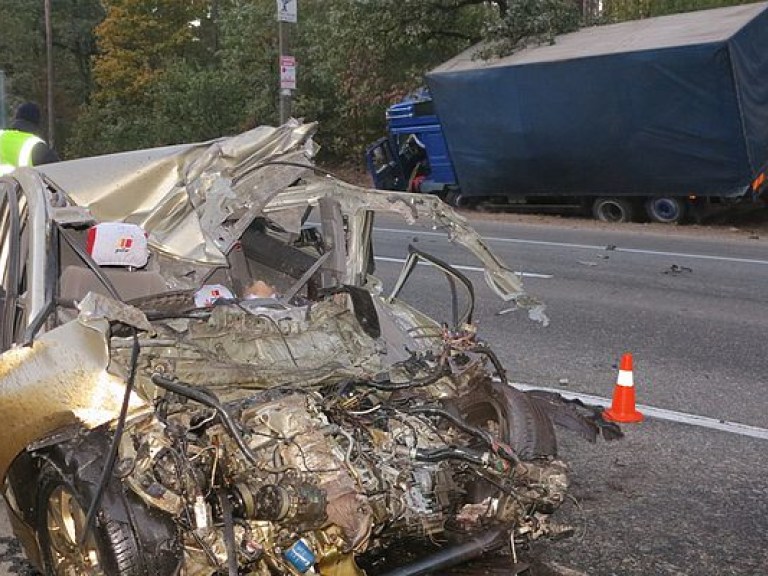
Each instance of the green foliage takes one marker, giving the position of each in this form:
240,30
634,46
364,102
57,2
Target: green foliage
528,22
23,58
22,50
620,10
162,82
357,57
159,79
137,39
248,51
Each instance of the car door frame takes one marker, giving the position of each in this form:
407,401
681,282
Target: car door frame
10,247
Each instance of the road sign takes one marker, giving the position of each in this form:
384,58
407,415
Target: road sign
287,72
288,11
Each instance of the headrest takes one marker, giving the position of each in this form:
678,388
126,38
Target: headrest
209,293
118,244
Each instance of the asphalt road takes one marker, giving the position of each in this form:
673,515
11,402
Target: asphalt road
670,498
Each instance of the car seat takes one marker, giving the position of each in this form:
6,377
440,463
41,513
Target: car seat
121,252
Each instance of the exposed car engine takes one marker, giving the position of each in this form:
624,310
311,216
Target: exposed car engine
294,476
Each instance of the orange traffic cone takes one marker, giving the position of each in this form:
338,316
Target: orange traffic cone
623,407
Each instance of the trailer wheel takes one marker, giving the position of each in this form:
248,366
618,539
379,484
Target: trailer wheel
459,200
666,210
613,210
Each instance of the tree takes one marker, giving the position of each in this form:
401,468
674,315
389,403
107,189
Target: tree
138,41
526,22
169,71
357,57
22,54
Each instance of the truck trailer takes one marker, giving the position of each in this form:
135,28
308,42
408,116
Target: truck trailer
661,117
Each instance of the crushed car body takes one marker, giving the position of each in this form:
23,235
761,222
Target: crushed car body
196,380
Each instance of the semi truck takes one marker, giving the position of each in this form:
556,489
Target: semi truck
661,118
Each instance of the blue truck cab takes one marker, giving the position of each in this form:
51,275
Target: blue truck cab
414,154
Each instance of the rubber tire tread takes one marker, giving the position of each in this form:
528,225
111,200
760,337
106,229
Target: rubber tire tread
525,426
133,538
625,204
651,213
117,547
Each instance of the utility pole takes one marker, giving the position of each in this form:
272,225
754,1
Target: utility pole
287,16
49,70
2,99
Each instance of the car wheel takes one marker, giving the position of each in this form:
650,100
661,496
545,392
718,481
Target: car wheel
109,548
666,210
127,537
613,210
511,415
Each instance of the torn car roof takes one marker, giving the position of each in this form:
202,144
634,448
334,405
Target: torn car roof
182,195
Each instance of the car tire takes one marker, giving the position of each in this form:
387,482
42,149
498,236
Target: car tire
613,210
110,547
127,538
509,414
666,209
519,421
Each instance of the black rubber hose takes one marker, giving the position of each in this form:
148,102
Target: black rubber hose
207,399
502,374
117,436
229,532
455,420
388,386
444,559
450,453
499,448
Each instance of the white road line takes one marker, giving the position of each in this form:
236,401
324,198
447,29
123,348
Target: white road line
662,414
588,247
462,267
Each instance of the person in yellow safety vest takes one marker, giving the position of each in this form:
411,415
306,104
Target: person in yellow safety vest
20,145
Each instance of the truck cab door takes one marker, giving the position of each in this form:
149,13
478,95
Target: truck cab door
384,166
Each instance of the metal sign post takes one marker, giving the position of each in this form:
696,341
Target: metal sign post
49,71
287,14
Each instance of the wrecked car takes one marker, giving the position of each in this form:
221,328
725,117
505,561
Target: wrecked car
201,374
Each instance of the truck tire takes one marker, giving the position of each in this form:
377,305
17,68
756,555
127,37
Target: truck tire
459,200
613,210
666,209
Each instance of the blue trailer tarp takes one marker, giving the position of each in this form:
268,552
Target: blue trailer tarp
674,105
